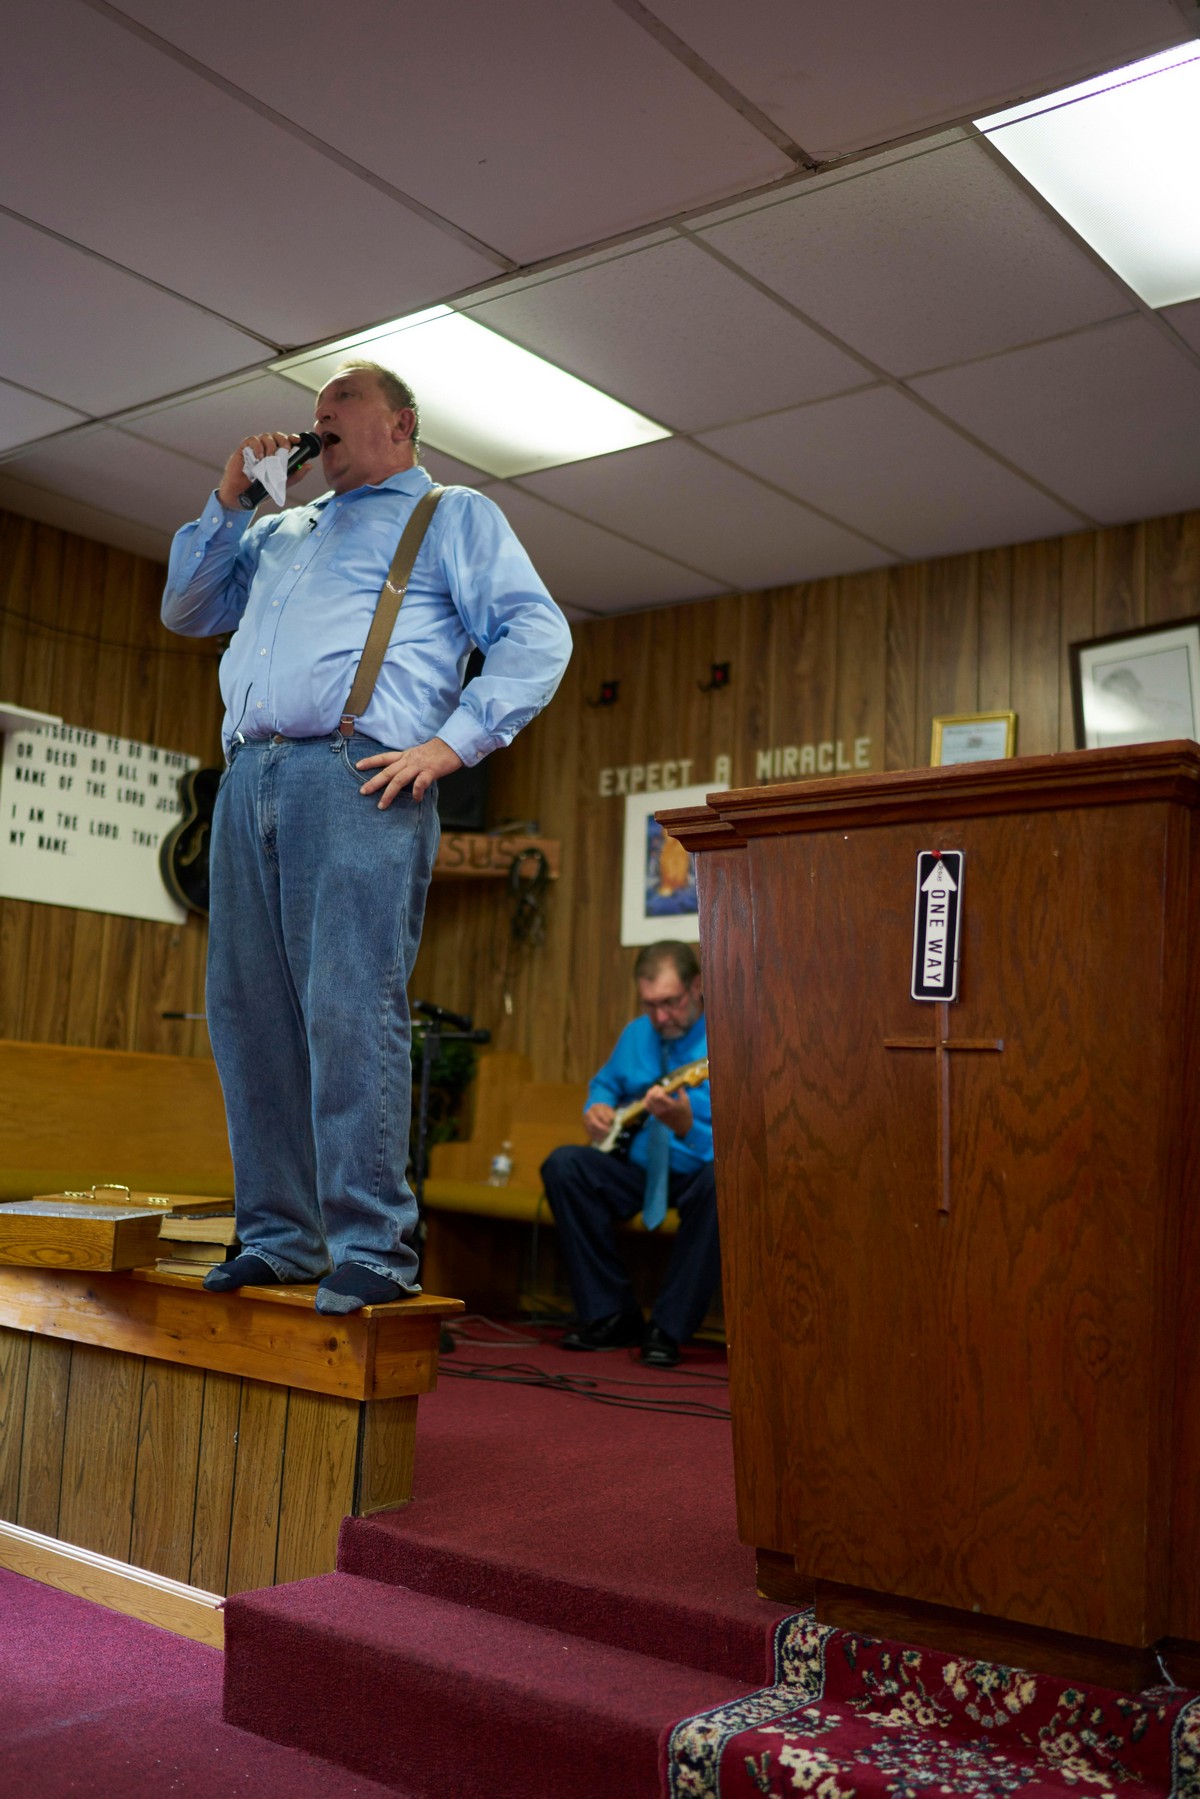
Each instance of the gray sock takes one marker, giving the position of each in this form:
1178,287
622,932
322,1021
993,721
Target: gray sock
352,1286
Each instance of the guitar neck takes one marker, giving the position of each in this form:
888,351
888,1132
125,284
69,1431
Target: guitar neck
691,1076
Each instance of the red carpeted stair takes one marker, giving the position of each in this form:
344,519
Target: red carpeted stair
565,1587
451,1700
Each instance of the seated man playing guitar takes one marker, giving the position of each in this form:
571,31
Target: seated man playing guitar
656,1077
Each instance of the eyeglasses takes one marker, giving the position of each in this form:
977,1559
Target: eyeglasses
673,1003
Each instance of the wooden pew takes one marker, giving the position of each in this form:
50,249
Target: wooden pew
71,1118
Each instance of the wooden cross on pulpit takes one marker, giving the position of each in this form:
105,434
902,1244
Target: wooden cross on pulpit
941,1045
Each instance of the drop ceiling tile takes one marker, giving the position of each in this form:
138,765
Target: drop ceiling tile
584,565
924,263
25,416
839,78
675,334
555,269
1106,418
883,464
85,520
536,126
122,149
121,475
209,426
1186,320
852,169
677,500
96,338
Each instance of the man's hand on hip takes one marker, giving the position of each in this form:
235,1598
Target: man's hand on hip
418,767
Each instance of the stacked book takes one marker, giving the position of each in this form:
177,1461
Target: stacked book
192,1243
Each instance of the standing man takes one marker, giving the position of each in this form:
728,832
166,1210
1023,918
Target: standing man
670,1162
323,842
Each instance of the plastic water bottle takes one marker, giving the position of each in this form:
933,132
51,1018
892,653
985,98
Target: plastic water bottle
501,1166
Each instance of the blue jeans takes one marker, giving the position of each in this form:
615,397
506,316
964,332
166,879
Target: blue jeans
317,903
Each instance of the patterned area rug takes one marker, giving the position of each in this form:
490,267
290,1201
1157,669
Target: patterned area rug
851,1716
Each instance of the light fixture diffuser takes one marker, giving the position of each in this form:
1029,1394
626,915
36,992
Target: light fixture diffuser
484,399
1118,158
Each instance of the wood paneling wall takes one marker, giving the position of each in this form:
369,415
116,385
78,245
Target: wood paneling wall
80,636
875,655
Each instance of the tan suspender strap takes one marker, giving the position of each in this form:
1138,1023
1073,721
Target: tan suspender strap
387,608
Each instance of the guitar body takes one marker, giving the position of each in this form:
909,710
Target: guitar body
183,853
630,1119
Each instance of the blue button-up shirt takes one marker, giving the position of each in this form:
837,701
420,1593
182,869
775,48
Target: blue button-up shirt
640,1059
299,590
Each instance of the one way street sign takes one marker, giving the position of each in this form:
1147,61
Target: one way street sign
936,928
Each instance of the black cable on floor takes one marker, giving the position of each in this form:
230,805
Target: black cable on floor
522,1374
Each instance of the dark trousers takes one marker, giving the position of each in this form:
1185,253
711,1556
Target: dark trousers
589,1195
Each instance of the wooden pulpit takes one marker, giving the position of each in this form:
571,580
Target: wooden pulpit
961,1239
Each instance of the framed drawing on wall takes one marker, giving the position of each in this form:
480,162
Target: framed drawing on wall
973,737
1137,686
658,879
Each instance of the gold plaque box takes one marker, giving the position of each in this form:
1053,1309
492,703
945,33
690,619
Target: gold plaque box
68,1233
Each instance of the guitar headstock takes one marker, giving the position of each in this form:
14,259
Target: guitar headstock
690,1076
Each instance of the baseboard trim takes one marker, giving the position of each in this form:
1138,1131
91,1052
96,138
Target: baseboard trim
188,1611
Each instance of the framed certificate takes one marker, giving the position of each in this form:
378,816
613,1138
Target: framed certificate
973,737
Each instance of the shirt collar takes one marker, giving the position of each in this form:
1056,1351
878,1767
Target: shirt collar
413,480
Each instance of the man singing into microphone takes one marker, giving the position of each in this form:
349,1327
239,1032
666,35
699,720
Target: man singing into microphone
326,828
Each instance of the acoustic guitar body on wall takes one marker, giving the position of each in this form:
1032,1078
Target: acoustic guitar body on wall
183,853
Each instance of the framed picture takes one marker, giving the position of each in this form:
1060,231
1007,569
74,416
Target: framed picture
1137,686
973,737
658,879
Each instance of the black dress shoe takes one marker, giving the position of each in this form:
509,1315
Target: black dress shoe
620,1331
659,1350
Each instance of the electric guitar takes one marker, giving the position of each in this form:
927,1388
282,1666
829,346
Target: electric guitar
183,853
619,1131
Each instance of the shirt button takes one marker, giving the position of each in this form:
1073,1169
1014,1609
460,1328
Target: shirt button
214,521
260,705
295,565
199,553
262,652
274,602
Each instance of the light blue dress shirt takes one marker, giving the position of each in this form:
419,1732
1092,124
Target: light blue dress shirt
299,590
640,1058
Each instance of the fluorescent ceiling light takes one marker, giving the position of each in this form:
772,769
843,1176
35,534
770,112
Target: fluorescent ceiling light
1118,158
484,399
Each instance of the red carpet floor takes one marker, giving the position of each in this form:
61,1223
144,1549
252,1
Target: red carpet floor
99,1705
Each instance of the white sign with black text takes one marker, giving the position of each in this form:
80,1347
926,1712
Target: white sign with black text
82,816
936,927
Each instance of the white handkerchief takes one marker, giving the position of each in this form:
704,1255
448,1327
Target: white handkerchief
271,471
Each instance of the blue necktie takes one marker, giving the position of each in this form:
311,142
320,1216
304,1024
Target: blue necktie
658,1160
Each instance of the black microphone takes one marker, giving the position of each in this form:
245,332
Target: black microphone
306,450
441,1015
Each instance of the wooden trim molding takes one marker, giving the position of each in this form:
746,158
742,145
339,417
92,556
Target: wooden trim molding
1131,774
188,1611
